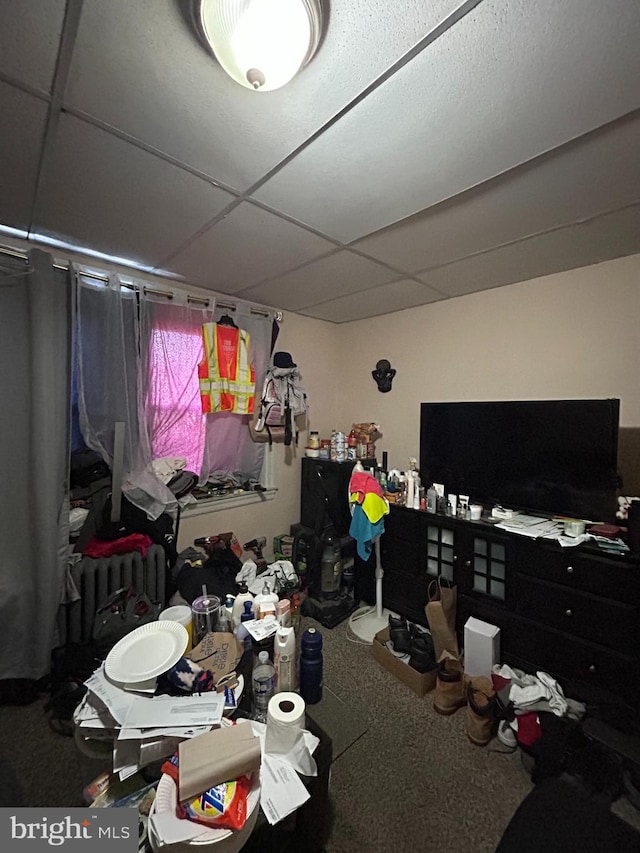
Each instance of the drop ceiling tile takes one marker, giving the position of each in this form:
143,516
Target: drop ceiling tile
508,82
599,173
244,248
23,121
603,238
140,68
110,196
326,278
384,299
29,38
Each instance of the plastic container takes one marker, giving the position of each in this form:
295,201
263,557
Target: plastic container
205,611
238,604
284,657
266,597
226,614
330,563
242,635
283,612
311,665
301,552
266,644
263,681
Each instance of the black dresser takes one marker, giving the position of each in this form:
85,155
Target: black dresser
572,612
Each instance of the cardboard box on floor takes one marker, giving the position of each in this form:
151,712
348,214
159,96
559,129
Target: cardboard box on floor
420,683
481,647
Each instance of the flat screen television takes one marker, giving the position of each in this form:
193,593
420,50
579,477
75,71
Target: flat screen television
551,457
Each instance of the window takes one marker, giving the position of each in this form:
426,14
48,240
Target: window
137,356
172,400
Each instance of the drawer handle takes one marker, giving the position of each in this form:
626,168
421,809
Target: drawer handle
467,563
592,668
568,612
570,569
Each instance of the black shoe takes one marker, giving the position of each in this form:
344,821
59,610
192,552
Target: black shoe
423,657
399,635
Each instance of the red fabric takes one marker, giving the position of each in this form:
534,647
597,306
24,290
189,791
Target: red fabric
363,483
135,542
529,730
499,682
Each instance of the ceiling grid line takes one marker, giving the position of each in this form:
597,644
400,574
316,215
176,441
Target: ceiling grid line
425,153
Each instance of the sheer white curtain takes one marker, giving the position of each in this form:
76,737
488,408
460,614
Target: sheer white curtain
35,335
108,366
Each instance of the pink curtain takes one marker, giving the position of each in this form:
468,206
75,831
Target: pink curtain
216,446
172,337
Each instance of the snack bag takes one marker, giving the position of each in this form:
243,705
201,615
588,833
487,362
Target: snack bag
170,767
223,806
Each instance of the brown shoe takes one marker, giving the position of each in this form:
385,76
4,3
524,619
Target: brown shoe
481,704
450,693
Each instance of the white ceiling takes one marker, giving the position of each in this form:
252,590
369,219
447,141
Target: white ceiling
429,150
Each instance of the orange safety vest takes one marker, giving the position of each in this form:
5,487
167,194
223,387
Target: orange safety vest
227,377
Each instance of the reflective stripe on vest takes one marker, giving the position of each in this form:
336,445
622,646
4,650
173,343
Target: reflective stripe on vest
227,379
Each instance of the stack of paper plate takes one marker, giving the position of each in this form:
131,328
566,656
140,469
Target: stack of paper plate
146,652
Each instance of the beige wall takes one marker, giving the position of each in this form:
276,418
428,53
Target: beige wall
574,334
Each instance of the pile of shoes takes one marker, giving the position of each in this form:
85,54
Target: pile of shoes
406,638
454,689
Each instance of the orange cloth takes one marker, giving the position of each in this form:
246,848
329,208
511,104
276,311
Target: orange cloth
227,377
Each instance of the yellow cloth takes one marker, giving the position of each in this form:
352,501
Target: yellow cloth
373,505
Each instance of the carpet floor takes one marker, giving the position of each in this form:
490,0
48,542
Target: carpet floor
402,778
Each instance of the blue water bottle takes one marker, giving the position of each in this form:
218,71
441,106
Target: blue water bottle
311,666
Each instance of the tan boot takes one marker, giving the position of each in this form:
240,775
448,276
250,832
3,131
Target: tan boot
481,703
450,689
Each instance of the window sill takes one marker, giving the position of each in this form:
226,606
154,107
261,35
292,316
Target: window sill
207,505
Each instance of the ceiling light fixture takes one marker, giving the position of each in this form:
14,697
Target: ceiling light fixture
261,44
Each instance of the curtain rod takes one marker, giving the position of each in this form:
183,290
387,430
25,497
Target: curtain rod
200,300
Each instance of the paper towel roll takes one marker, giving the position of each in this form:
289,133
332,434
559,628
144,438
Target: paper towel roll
285,722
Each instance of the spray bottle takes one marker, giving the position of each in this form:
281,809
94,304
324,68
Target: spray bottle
285,660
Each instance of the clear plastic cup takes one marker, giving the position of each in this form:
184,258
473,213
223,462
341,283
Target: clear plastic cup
205,614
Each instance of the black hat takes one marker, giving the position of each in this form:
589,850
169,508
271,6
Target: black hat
283,359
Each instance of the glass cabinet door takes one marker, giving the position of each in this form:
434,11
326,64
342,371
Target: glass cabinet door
487,564
440,551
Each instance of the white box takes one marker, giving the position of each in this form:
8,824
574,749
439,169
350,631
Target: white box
481,647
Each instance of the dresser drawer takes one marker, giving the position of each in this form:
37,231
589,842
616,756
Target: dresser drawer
399,555
578,570
406,525
531,646
601,620
567,657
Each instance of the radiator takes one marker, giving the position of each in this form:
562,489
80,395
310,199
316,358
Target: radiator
95,579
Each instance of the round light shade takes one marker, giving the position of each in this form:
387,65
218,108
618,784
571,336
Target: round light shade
262,44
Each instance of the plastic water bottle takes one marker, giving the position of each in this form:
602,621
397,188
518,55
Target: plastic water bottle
263,686
311,666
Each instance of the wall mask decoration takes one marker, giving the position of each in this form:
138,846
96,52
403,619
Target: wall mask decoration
383,374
